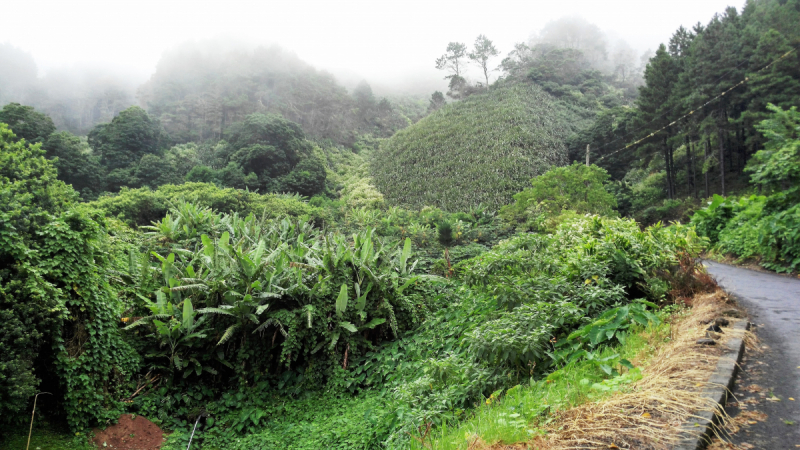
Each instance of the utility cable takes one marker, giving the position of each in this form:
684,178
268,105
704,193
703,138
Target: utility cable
745,80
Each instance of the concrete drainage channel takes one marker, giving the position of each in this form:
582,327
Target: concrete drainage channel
718,388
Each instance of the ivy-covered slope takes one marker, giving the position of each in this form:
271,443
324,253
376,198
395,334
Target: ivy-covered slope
479,151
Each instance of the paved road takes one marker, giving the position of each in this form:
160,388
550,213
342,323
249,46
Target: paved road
773,304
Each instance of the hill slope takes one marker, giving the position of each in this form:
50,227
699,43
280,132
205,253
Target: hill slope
479,151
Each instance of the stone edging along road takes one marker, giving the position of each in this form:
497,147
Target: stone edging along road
719,386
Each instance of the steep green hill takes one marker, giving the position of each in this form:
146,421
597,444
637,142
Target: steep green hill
479,151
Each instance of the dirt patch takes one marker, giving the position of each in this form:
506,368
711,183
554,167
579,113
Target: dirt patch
131,433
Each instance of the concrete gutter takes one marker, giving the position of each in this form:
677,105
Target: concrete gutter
719,386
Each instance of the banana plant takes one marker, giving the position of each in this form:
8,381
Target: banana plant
178,330
165,231
243,308
341,306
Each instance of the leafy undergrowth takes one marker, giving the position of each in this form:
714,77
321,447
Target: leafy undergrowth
532,305
524,411
45,437
313,422
763,228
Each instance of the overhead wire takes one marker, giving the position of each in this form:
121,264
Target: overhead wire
740,83
702,91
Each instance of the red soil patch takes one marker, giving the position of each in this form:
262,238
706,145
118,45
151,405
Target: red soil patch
131,433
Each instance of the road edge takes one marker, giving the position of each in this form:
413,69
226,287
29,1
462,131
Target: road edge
720,385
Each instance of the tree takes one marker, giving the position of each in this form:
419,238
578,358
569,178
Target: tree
201,174
263,154
776,168
778,85
75,164
307,178
153,171
437,101
58,313
268,146
624,62
365,99
579,188
656,102
129,136
482,50
26,122
452,59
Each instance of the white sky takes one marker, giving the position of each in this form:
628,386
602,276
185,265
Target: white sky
384,41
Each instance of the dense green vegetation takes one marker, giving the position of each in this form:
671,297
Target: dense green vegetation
479,151
234,315
265,153
287,264
763,227
570,190
200,88
707,151
59,311
690,142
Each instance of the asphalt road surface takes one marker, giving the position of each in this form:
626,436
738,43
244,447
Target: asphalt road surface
767,392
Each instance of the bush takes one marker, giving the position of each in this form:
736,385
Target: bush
498,317
578,188
58,313
138,207
763,227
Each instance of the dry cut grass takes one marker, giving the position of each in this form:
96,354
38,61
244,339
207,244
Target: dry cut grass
651,414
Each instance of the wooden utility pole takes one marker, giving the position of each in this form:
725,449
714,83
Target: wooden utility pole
587,153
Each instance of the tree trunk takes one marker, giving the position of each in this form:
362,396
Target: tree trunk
720,137
690,166
705,161
669,171
673,172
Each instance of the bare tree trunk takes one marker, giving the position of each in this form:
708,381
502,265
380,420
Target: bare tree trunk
721,160
705,161
694,168
669,172
672,170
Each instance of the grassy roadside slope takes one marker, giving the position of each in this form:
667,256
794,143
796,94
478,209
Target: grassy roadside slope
640,408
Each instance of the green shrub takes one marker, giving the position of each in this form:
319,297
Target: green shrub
58,313
763,227
143,206
578,188
500,314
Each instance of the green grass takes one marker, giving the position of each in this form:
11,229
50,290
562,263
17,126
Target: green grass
480,151
45,437
524,411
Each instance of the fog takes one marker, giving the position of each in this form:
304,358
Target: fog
391,44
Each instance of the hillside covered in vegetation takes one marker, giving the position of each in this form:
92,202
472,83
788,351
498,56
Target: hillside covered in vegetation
479,151
257,257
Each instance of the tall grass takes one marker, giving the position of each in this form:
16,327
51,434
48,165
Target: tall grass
521,413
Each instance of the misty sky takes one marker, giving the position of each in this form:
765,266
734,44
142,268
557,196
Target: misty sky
383,41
